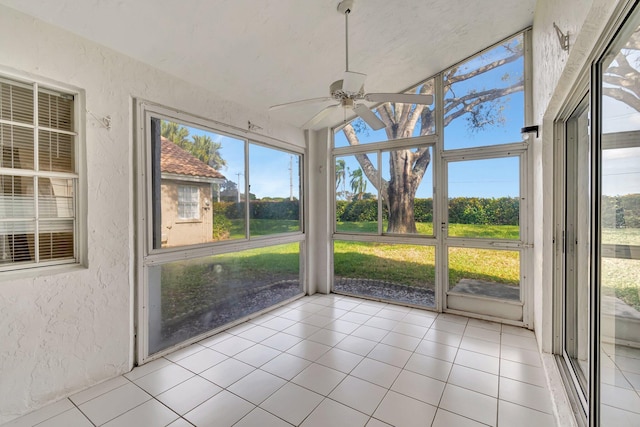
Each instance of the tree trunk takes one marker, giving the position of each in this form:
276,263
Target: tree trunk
401,192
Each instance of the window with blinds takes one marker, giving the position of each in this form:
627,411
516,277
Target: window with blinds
38,176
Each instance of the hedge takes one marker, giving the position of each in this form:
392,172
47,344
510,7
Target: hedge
617,211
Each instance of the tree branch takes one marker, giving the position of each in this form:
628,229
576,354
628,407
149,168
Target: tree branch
472,100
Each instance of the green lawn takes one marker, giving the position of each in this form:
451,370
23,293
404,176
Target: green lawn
509,232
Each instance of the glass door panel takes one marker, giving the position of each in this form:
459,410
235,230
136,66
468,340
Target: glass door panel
620,232
577,244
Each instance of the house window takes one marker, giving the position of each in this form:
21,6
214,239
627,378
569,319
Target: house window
38,176
188,202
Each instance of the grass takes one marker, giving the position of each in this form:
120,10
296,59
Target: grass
262,227
509,232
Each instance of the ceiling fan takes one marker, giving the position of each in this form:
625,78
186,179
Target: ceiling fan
350,89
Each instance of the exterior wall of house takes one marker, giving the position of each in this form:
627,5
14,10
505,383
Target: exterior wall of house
65,329
180,232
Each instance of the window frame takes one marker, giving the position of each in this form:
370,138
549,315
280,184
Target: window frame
148,256
76,176
193,204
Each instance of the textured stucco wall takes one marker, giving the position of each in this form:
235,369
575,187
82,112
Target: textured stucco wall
63,331
555,73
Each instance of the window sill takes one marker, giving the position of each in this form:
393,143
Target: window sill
34,272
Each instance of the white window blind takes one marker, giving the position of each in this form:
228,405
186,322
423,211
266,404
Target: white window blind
38,176
188,202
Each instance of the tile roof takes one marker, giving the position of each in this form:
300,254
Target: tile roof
174,159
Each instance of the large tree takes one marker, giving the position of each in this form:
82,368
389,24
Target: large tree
481,106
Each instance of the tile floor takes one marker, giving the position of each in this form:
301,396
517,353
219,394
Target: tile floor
328,360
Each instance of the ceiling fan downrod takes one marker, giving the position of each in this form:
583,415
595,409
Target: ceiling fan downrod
345,7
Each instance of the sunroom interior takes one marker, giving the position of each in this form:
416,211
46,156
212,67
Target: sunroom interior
320,213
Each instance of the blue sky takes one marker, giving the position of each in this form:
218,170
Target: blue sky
269,168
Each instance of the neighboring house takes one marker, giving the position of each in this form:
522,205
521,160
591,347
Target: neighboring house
187,189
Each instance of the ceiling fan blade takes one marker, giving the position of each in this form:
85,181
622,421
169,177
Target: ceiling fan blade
369,117
353,82
318,117
298,103
403,98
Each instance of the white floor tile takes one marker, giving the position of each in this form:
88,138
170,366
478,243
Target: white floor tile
257,386
480,346
147,368
311,307
319,378
163,379
377,423
334,414
449,419
286,366
261,418
516,330
618,398
528,395
342,326
475,380
184,352
366,309
429,366
391,355
278,323
485,324
528,343
411,329
333,312
376,372
402,341
520,355
611,416
340,360
399,410
358,318
470,404
309,350
510,414
443,337
381,323
114,403
202,360
257,355
189,394
446,326
524,373
392,312
295,315
257,334
292,403
370,333
233,345
437,350
216,339
356,345
180,422
422,319
98,390
453,318
222,410
425,389
327,337
70,418
150,414
317,320
281,341
358,394
301,330
478,361
482,334
42,414
228,372
242,327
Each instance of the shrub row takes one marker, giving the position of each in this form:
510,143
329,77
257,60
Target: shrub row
621,211
259,209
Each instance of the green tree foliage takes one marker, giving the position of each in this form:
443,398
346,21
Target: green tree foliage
358,184
201,147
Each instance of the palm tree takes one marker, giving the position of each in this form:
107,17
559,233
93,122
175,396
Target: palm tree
341,175
358,184
175,133
208,151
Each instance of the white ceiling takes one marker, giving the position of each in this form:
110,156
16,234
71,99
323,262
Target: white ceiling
264,52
